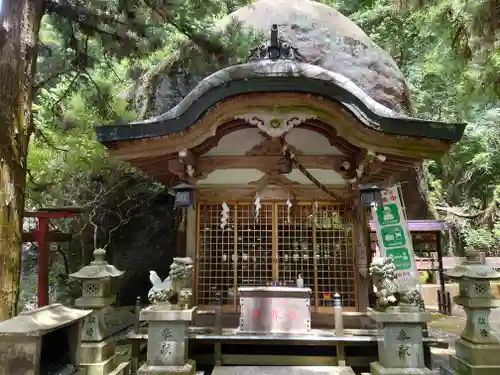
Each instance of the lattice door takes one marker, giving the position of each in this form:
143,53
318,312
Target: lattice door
295,245
255,245
335,255
275,246
215,261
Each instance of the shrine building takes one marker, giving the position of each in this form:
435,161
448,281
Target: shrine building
278,148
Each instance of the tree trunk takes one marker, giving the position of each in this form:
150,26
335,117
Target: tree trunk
19,24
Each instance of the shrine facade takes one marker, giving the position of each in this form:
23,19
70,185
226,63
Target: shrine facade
277,149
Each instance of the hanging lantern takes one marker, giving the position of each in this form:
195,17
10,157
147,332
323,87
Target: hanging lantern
371,196
184,195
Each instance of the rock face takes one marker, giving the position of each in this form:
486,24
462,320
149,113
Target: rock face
322,35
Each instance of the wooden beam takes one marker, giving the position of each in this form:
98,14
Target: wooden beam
207,164
54,213
266,163
52,236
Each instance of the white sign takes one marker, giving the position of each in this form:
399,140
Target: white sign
393,234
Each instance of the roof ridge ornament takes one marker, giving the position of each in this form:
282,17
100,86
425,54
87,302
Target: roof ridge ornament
275,49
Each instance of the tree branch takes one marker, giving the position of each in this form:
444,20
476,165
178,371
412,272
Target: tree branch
38,186
457,211
47,141
66,91
89,20
52,77
65,259
111,109
197,38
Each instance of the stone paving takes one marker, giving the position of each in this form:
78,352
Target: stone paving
448,329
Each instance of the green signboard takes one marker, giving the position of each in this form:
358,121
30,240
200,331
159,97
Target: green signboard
401,257
388,214
393,235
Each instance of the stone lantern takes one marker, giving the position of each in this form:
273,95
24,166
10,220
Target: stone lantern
101,327
477,349
96,281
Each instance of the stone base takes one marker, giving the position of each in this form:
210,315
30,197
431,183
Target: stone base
105,323
377,369
401,329
99,368
399,314
167,313
459,366
94,352
188,369
478,354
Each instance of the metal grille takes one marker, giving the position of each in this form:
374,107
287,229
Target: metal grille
275,246
335,255
215,267
295,244
255,245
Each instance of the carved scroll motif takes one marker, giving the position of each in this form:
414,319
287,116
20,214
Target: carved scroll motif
275,125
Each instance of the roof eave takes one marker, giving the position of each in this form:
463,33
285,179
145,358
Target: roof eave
280,76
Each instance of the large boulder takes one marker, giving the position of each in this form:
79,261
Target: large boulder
322,35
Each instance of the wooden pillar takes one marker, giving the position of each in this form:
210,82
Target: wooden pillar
191,233
43,261
361,241
440,263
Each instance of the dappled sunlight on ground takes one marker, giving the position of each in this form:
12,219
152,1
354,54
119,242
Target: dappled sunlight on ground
448,328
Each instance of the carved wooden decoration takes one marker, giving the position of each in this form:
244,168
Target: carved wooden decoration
274,187
269,147
275,124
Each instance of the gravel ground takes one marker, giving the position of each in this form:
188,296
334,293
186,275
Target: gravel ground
448,328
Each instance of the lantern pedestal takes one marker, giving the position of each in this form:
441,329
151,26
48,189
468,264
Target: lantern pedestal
167,341
97,353
400,345
478,349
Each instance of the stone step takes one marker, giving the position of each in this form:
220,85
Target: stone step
122,369
282,370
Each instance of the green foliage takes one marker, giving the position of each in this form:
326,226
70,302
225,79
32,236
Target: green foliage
91,55
448,50
449,53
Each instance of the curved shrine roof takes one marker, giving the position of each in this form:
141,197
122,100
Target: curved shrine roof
320,52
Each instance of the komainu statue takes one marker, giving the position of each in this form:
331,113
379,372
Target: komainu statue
389,291
169,290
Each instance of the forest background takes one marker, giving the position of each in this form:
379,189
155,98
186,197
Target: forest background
88,64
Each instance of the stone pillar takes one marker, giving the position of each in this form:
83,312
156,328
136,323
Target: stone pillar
97,354
168,348
400,347
477,349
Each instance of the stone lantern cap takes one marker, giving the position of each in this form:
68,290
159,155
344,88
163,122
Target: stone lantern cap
472,269
98,269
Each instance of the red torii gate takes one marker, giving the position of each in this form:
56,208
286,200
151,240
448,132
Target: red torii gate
43,236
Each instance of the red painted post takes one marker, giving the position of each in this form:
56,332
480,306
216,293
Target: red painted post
43,261
41,235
